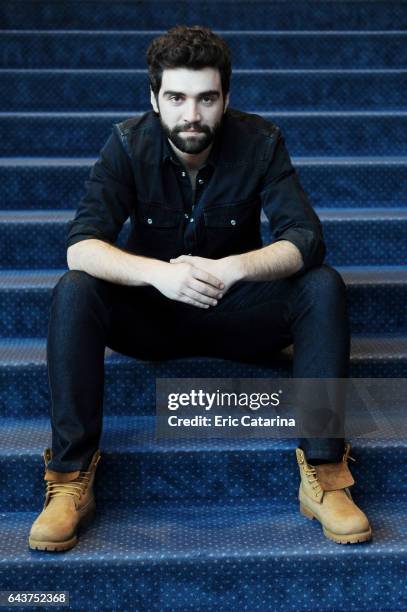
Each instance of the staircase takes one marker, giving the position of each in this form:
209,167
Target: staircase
203,525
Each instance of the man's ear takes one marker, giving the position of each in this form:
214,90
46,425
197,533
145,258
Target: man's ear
153,101
226,101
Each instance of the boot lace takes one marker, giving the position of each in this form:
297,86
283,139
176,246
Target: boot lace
312,479
75,487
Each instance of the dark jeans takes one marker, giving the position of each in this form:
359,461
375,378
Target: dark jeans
251,322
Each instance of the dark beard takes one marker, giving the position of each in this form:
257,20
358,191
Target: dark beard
191,144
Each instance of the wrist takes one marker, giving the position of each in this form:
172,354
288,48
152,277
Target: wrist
235,267
154,271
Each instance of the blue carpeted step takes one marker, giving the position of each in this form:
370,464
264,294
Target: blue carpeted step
307,134
249,555
377,300
137,466
358,237
44,183
127,50
149,14
36,239
130,383
259,90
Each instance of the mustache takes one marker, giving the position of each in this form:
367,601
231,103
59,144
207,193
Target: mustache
198,128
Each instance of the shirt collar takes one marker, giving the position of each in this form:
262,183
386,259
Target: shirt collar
212,159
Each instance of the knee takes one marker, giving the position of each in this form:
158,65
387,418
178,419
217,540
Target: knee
74,286
324,283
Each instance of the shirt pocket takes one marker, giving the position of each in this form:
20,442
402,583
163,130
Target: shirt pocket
158,231
233,228
232,216
154,215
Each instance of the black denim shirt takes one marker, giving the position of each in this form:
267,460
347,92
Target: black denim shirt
139,176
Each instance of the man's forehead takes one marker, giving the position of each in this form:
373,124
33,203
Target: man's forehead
190,81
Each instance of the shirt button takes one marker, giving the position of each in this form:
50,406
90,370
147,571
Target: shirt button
149,221
191,220
183,173
233,221
186,216
200,181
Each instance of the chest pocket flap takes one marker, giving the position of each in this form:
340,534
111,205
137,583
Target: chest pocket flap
231,215
156,215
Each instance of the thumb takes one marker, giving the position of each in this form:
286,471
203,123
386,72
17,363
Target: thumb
180,259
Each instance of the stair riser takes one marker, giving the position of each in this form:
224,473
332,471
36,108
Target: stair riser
372,308
349,242
129,91
361,241
163,584
249,50
307,135
220,15
328,184
130,383
200,475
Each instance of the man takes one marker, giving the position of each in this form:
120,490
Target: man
194,279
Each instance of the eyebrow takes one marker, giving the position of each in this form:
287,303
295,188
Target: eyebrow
210,92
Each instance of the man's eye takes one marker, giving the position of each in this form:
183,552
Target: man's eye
206,99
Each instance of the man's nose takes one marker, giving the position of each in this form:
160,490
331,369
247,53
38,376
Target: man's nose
191,112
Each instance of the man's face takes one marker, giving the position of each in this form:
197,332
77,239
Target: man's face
190,100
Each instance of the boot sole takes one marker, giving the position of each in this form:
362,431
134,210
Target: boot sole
66,544
339,538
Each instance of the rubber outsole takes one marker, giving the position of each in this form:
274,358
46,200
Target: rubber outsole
351,538
66,544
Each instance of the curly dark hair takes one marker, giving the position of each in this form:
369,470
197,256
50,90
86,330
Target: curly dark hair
192,47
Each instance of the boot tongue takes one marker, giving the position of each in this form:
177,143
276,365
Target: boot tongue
334,476
61,476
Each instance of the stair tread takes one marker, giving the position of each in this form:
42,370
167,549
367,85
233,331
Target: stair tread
24,437
23,351
353,275
254,71
261,530
273,33
131,113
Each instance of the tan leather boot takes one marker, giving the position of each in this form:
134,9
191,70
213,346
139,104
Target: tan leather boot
69,505
324,495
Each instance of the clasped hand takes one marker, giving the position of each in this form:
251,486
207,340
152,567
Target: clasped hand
196,280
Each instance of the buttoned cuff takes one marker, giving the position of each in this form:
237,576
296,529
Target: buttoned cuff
310,245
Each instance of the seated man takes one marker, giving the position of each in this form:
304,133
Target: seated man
194,278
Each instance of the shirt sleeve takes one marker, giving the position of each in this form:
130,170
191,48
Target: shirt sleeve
287,208
109,198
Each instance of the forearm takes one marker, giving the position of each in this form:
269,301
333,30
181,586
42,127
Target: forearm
110,263
273,261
